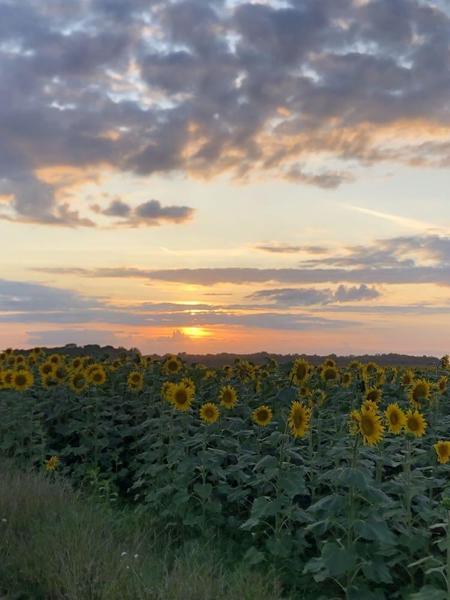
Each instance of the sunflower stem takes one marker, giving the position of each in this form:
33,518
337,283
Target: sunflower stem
448,555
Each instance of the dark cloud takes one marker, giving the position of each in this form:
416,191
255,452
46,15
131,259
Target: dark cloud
149,213
204,86
314,296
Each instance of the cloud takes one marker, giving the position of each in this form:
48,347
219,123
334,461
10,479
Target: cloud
207,87
150,213
280,248
81,337
313,296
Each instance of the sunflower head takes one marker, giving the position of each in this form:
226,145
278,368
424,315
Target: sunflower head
298,420
370,428
347,379
442,449
78,381
329,373
55,359
395,418
420,392
262,415
407,377
300,370
51,464
96,374
373,395
209,413
329,362
172,364
135,381
442,385
415,423
181,396
228,396
22,380
369,406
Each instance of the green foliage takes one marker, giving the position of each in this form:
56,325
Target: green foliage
331,517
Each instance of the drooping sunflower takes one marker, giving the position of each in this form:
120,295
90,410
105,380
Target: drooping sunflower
300,371
135,381
22,380
298,420
419,393
77,363
228,396
209,413
181,396
415,423
77,381
371,428
395,418
442,449
373,394
442,385
262,415
329,374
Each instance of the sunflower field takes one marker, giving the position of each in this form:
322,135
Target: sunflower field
334,479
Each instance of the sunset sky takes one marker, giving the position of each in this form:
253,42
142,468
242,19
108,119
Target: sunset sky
213,175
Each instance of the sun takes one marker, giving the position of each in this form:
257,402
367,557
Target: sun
195,332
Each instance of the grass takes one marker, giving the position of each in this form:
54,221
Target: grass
58,544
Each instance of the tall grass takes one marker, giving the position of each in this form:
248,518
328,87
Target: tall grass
56,544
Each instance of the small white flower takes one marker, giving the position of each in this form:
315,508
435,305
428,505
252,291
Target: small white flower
124,553
136,555
4,520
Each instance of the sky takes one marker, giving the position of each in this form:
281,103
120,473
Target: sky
226,175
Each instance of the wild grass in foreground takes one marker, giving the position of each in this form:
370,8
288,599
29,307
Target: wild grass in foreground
57,544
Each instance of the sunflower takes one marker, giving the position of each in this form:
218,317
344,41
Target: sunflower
329,373
181,396
420,392
347,379
300,371
8,377
60,374
135,381
415,423
77,363
371,428
373,394
51,464
304,391
442,385
330,362
55,359
262,415
298,420
317,398
166,391
354,419
369,406
228,396
209,413
408,377
395,417
20,359
46,369
96,374
77,381
172,364
22,380
442,449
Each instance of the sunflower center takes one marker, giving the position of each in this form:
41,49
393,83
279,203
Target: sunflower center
413,424
181,397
